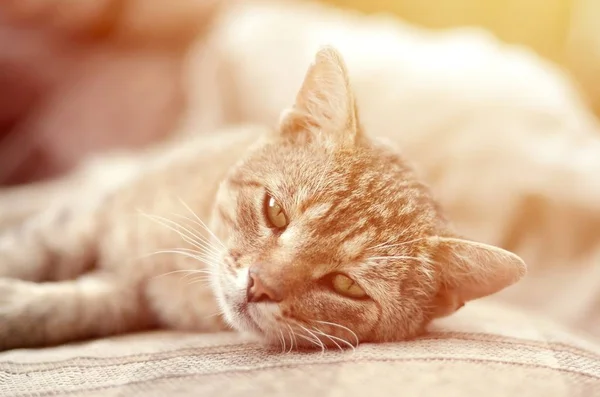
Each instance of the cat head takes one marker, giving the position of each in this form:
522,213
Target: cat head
330,238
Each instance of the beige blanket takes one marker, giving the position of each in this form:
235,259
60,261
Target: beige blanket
485,350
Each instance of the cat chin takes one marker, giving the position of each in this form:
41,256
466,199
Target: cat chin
236,312
251,320
240,321
272,331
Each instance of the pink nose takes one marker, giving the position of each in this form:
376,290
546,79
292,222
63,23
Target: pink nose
258,291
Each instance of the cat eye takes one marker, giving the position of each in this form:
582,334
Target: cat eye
276,217
344,285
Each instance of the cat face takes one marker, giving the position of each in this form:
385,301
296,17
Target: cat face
328,237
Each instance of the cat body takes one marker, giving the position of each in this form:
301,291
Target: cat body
318,235
464,108
105,282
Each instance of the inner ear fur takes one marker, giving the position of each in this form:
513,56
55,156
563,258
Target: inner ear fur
471,270
325,104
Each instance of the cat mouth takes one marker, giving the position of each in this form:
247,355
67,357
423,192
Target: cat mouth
299,336
243,312
243,315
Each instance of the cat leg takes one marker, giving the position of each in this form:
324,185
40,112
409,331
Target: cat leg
57,244
53,234
19,203
94,177
95,305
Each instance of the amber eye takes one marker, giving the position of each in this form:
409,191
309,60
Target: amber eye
344,285
276,217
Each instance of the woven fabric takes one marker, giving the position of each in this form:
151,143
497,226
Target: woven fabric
485,349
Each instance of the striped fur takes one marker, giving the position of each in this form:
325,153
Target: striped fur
354,206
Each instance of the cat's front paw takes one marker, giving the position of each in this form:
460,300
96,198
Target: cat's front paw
16,307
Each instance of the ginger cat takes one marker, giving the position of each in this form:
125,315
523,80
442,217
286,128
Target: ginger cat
320,235
501,136
473,113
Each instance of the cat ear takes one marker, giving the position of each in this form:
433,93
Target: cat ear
325,103
472,270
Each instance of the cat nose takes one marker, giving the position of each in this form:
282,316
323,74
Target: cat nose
258,291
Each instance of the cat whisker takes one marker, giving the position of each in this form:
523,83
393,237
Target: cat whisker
206,259
283,345
293,340
186,238
191,237
198,255
168,223
184,252
201,275
201,238
289,336
291,343
341,327
189,250
308,339
330,337
185,277
342,340
188,272
318,342
279,339
200,258
202,280
218,313
202,223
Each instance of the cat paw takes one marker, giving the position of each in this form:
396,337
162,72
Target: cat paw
48,246
15,302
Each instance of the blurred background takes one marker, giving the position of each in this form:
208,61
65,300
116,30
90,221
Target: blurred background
564,31
47,77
